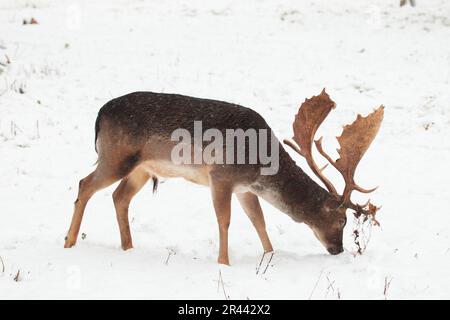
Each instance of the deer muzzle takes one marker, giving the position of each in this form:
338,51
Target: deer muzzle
335,250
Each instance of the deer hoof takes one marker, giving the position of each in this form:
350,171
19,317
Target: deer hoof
224,261
69,244
127,247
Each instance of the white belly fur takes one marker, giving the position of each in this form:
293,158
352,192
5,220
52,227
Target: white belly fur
167,169
195,174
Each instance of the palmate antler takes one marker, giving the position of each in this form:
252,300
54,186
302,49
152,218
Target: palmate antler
354,142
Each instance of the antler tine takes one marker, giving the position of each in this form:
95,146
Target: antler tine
318,144
352,185
310,116
362,190
293,145
317,171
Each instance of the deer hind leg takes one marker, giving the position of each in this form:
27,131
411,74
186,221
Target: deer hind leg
221,195
252,208
127,189
104,175
87,187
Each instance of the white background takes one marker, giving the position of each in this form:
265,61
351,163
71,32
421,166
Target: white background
266,55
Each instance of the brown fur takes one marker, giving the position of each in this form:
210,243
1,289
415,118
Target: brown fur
133,143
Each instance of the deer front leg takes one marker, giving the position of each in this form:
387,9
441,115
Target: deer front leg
252,208
221,195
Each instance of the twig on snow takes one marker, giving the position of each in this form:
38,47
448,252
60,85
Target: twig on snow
170,252
361,235
330,286
17,277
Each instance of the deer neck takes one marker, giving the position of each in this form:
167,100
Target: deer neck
291,190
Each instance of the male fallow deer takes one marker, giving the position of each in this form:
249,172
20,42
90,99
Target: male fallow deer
133,141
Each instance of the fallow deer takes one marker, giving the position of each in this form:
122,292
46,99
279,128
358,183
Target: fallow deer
133,141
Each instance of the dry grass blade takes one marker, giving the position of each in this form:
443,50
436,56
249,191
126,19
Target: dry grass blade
258,268
268,263
362,234
315,285
387,284
3,264
221,283
260,263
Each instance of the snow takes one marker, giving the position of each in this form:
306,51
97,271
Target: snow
268,55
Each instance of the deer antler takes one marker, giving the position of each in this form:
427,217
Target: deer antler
354,142
310,116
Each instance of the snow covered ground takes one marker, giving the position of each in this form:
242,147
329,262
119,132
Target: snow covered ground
268,55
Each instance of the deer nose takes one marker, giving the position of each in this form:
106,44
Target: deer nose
335,250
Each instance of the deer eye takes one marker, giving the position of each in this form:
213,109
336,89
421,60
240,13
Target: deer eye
342,222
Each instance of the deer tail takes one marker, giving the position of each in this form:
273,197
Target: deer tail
155,183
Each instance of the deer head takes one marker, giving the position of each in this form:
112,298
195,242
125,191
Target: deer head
328,224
